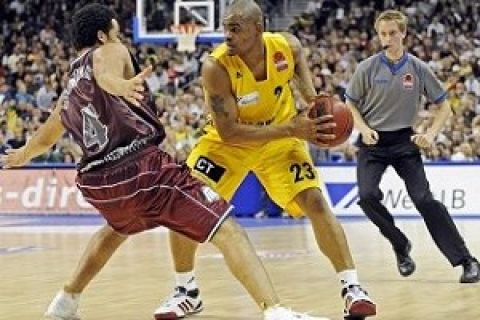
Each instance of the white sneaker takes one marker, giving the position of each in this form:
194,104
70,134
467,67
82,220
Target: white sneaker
281,313
63,307
357,302
180,304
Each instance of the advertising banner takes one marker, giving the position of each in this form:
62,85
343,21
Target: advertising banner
457,186
53,191
41,191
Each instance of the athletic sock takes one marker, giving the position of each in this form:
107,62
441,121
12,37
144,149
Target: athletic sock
186,280
348,277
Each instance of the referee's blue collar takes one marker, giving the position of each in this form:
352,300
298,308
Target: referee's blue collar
394,67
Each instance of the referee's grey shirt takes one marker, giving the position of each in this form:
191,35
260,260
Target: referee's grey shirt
388,95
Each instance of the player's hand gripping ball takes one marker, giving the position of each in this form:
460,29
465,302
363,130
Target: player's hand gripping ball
342,116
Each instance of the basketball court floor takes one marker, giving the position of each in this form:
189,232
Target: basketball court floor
38,254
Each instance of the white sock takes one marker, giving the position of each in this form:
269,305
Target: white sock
348,277
71,295
186,280
268,309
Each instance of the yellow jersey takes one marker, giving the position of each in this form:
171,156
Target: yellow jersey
265,102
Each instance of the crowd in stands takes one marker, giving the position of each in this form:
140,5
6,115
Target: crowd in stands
35,52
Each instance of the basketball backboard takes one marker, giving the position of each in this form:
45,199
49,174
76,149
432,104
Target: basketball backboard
154,20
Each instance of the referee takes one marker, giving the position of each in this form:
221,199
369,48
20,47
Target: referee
384,95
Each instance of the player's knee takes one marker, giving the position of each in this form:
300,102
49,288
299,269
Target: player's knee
228,231
313,203
106,236
309,198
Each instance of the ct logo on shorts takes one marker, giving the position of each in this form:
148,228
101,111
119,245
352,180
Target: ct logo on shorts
408,81
209,168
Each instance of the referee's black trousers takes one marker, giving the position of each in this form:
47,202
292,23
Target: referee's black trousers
405,158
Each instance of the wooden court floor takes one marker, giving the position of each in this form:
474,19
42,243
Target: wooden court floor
139,275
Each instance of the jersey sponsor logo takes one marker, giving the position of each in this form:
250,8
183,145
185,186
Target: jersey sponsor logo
408,81
248,99
280,61
209,168
239,75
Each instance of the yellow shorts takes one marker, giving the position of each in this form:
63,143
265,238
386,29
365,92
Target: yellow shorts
284,167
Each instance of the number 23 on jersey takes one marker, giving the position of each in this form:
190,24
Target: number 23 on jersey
302,171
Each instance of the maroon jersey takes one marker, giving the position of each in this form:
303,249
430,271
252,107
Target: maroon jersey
105,126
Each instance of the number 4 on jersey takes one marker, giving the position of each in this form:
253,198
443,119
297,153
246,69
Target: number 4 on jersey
94,132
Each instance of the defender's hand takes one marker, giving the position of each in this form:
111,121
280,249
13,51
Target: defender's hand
14,158
134,87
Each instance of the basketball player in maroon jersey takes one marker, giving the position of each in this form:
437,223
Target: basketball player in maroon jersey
123,174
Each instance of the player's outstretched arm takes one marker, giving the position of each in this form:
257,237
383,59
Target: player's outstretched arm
110,64
223,108
43,139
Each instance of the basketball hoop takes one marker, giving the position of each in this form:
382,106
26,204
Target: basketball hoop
186,36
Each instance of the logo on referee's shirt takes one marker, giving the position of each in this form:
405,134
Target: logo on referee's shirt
408,81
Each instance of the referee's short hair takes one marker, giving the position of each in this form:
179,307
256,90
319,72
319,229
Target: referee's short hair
393,15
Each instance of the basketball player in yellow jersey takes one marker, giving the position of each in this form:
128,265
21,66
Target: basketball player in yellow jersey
255,127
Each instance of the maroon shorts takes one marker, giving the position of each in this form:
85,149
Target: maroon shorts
148,189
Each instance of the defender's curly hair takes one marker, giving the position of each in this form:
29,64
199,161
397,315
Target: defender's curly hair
88,21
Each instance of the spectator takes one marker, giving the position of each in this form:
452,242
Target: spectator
18,139
46,95
464,152
3,144
22,95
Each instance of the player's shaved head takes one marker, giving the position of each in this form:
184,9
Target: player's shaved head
246,10
243,27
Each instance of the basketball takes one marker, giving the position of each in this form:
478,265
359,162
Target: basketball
342,116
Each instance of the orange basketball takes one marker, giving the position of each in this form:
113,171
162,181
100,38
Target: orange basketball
342,116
